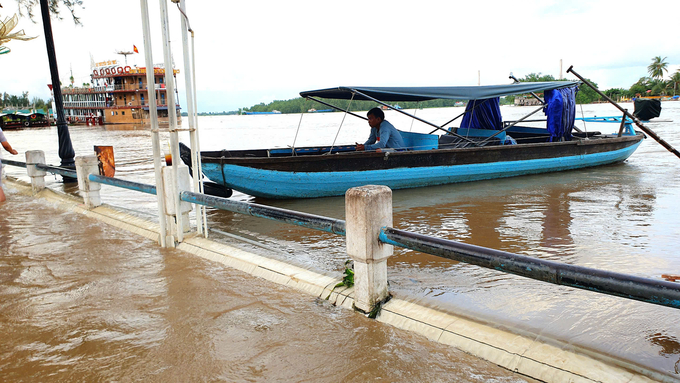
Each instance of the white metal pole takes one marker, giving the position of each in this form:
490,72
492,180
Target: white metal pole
153,115
198,142
172,115
193,132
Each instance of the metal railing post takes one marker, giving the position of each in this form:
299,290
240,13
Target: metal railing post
34,157
172,115
86,165
153,115
177,214
367,210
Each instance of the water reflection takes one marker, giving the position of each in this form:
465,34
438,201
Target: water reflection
117,127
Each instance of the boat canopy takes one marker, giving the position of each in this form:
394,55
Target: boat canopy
392,94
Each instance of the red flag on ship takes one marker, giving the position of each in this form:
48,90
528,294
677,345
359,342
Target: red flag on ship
134,48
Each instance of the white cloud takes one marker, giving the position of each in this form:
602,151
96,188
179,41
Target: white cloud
257,51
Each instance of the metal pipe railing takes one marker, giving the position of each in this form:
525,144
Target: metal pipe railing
653,291
329,225
14,163
606,282
130,185
65,172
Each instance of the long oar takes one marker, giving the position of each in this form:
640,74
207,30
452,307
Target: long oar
632,117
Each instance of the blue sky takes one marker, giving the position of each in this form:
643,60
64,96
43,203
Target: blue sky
249,52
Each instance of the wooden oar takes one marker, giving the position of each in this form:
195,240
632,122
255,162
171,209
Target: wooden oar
632,117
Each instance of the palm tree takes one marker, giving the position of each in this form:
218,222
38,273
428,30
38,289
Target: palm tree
658,66
675,81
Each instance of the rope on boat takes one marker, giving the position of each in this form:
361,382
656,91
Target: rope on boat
341,122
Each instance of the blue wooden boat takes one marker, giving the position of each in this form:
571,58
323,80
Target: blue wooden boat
483,147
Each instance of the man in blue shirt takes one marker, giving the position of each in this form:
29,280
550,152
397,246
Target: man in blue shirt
383,134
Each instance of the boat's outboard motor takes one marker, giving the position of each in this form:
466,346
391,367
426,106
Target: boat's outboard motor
647,108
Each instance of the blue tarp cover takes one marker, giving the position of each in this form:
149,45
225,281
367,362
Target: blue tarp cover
436,92
483,114
560,111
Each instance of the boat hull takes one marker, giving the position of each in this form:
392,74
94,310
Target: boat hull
332,175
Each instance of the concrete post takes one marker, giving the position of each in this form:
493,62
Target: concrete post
183,183
34,157
86,165
368,209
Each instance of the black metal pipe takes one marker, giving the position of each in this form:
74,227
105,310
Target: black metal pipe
632,117
14,163
437,127
475,106
66,152
627,286
512,77
336,108
329,225
64,172
130,185
510,126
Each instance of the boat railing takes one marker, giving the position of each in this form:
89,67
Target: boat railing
648,290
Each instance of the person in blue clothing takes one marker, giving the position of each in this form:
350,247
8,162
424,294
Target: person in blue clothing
383,134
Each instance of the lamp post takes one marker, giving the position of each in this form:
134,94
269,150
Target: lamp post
66,152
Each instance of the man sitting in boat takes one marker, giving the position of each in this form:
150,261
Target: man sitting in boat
383,134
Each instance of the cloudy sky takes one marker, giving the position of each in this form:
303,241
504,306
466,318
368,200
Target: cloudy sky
249,52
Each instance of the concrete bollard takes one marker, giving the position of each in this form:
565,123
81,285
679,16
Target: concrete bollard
368,209
183,183
34,157
86,165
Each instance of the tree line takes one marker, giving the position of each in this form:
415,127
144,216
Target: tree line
11,101
652,85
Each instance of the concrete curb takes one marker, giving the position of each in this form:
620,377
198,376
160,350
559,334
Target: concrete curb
540,359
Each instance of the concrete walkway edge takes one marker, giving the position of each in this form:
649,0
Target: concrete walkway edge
538,358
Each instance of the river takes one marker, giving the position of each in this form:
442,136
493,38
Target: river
621,217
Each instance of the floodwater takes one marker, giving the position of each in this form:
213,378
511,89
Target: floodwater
83,301
620,218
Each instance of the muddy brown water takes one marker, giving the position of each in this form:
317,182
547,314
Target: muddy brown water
83,301
622,218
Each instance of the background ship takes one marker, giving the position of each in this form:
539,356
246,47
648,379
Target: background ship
118,94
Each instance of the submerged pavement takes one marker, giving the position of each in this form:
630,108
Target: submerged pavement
81,300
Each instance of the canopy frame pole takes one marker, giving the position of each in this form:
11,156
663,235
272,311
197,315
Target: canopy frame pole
296,135
410,129
462,114
625,112
337,108
516,81
330,151
414,117
511,125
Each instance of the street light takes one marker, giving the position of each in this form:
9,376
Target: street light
66,152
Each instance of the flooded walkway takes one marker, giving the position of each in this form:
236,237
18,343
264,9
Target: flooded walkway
84,301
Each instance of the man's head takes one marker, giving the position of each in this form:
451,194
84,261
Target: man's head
375,117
